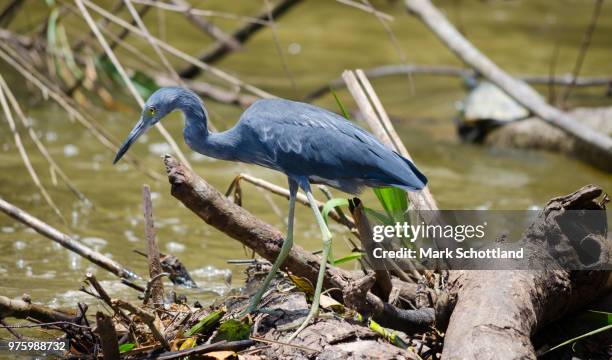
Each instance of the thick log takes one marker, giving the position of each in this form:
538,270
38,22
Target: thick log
497,312
66,241
598,143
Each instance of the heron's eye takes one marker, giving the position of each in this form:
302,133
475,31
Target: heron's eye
152,110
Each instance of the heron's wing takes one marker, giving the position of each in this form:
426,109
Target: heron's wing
302,139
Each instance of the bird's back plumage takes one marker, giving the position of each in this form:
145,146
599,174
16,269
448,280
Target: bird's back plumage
303,140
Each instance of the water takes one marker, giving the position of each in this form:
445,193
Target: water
319,40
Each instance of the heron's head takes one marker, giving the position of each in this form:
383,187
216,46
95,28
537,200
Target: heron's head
158,105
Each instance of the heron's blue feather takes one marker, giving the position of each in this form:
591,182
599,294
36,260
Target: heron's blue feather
298,139
304,140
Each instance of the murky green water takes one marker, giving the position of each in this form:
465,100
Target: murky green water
325,38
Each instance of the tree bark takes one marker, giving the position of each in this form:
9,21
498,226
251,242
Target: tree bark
497,312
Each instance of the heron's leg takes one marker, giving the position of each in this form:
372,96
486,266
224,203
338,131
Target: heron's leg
284,251
327,240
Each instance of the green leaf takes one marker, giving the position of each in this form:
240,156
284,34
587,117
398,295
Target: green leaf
332,204
394,202
389,336
144,84
573,340
206,324
350,257
342,108
126,347
382,218
598,318
233,330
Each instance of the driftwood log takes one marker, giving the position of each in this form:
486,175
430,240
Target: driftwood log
497,312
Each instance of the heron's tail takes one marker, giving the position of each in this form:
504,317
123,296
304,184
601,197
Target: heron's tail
410,179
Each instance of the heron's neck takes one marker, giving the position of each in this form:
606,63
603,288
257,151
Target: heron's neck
217,145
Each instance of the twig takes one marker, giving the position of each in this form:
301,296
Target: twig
398,49
201,349
147,292
24,154
206,26
108,336
174,51
367,8
155,267
202,12
23,310
597,143
381,126
278,48
242,35
66,241
454,71
41,147
111,55
584,46
151,42
278,190
41,324
91,279
552,68
269,341
9,11
131,284
146,317
4,325
34,77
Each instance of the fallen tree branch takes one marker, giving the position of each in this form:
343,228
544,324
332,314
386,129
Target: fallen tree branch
66,241
217,210
213,92
455,71
22,310
504,309
242,35
517,89
207,27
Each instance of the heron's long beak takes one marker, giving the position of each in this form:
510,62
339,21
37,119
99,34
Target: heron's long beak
138,130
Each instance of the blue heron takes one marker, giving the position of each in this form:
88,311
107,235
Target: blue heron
305,142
